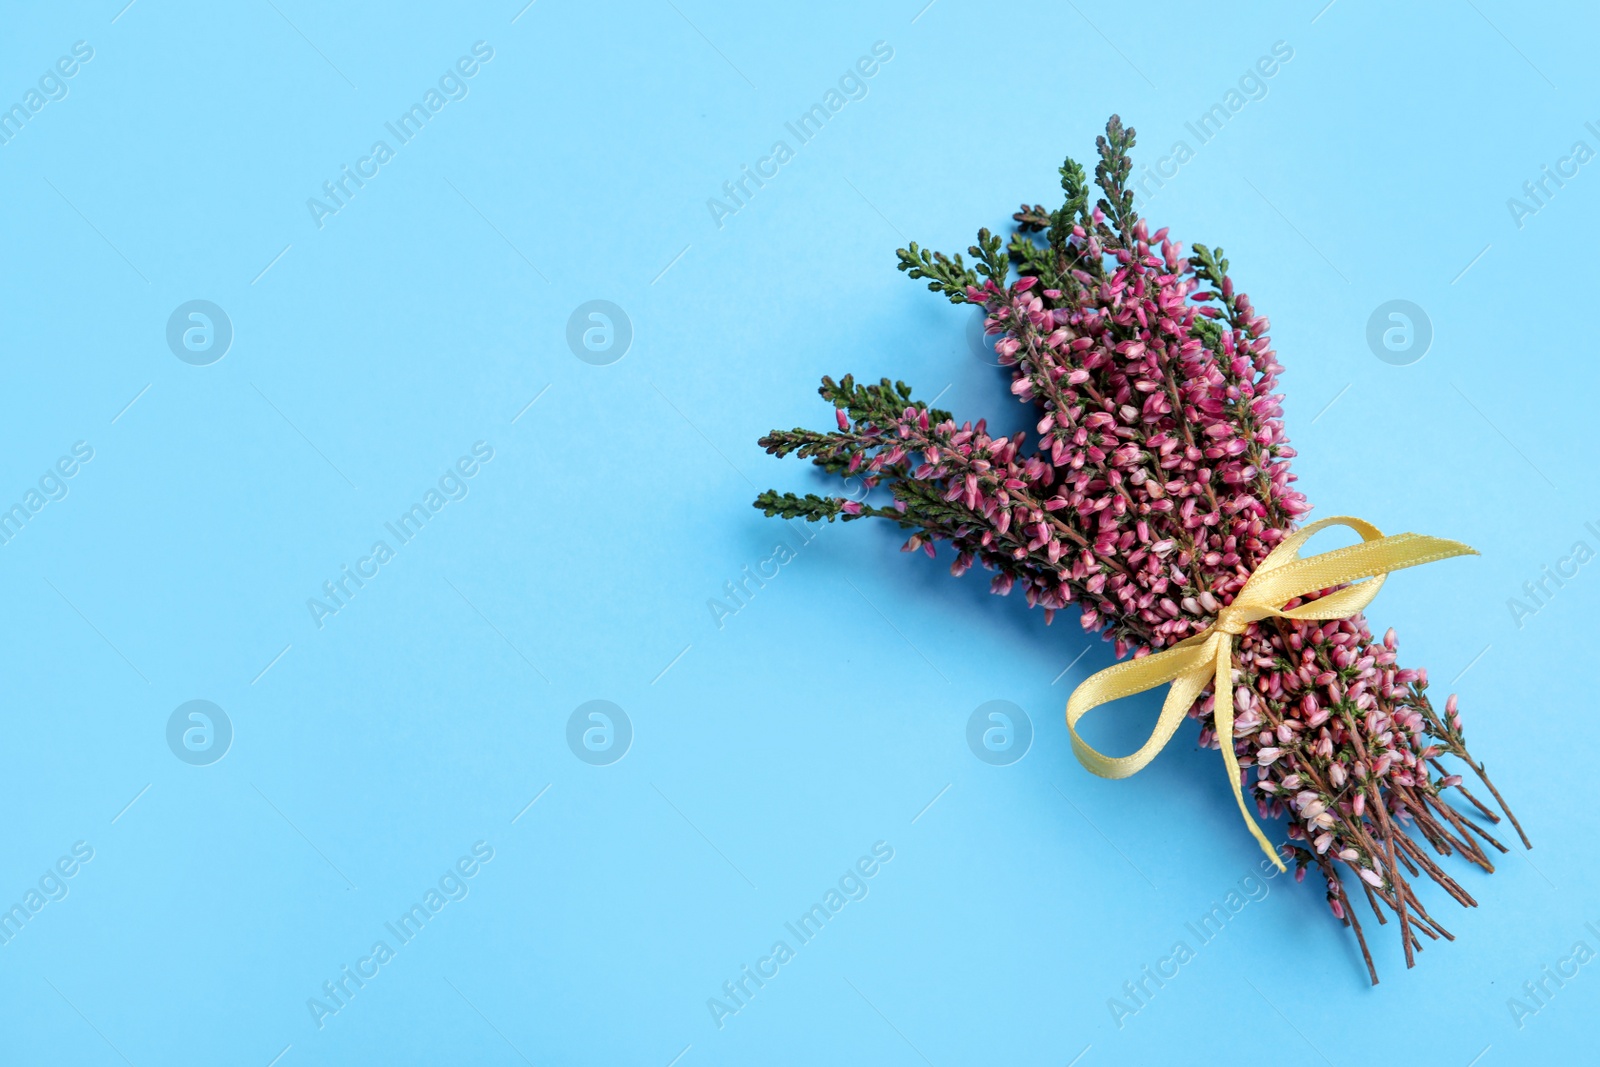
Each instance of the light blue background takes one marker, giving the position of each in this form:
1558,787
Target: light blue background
828,712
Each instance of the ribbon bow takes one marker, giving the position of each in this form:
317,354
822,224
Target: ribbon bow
1207,657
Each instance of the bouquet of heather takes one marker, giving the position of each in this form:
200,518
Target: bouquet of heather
1157,498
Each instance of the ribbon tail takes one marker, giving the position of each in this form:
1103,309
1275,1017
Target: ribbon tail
1222,689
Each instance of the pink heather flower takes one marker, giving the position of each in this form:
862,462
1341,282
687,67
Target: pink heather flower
1158,480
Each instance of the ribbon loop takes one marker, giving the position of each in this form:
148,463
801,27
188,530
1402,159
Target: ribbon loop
1207,657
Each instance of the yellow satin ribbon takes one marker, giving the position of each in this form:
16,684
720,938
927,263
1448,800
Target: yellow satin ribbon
1207,657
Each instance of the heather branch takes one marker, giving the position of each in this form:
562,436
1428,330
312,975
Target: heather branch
1158,483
